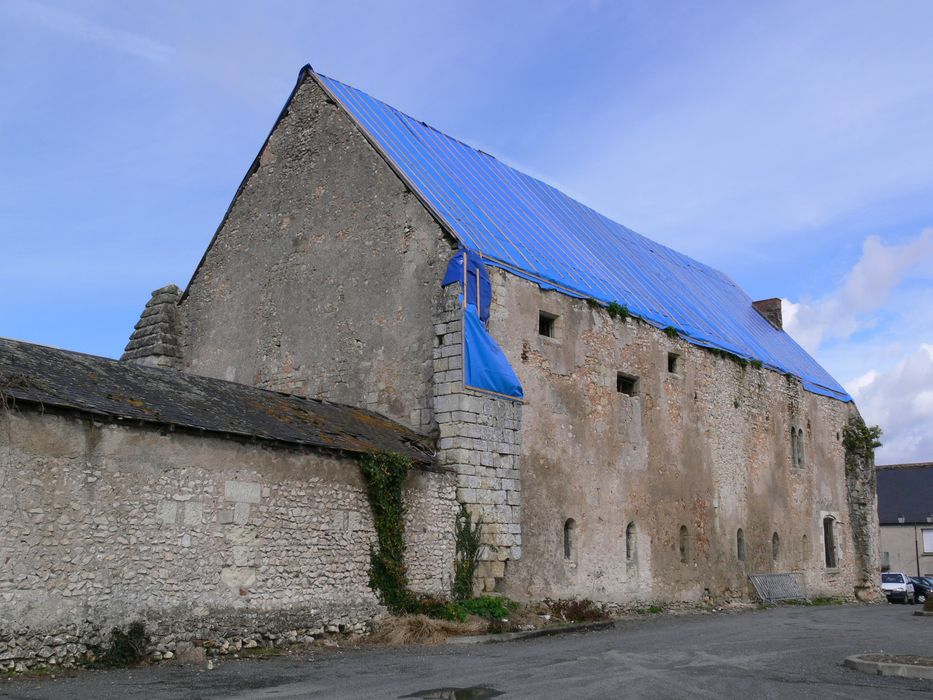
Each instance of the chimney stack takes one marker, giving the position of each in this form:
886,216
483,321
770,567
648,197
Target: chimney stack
771,310
154,343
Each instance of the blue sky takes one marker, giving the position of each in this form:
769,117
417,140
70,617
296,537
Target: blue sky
788,144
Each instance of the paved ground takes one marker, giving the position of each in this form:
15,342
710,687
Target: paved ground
779,653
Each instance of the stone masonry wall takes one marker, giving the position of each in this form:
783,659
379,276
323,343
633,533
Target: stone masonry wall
480,438
705,447
207,540
322,278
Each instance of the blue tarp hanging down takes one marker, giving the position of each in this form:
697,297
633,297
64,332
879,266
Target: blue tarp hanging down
475,274
485,366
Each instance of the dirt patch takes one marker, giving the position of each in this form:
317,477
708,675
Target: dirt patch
421,629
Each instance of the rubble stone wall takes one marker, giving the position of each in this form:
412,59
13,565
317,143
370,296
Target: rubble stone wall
705,447
205,539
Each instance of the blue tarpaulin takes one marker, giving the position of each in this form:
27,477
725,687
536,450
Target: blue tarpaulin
478,288
485,366
533,230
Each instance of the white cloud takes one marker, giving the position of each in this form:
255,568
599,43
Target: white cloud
875,327
865,290
901,402
73,25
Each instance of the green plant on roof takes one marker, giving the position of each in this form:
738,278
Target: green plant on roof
617,310
740,361
757,364
671,332
593,303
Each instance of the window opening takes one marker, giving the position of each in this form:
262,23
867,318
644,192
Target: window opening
684,544
805,546
546,324
740,544
630,542
626,384
775,547
569,535
829,540
673,363
927,537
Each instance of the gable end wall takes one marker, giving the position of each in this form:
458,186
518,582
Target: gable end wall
323,277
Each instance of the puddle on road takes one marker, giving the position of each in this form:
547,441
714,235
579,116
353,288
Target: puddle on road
475,692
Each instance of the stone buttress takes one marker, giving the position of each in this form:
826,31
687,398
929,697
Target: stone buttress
480,439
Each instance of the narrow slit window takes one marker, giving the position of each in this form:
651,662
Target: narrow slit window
740,545
775,547
546,324
684,544
829,542
630,542
673,363
799,464
570,528
626,384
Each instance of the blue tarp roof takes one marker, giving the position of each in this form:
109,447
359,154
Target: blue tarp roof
532,229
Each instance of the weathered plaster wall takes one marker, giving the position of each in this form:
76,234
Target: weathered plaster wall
904,547
323,277
707,447
202,537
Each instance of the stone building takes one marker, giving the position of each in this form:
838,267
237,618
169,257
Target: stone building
210,510
629,424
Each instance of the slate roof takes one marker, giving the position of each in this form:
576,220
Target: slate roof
905,489
526,226
49,377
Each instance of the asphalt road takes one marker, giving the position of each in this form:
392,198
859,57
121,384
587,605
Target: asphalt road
778,653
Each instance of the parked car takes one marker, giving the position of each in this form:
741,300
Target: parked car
923,588
897,586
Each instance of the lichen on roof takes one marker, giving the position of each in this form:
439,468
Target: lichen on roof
40,375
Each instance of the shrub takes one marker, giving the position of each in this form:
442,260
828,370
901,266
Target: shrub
583,610
384,473
617,310
493,607
468,544
126,648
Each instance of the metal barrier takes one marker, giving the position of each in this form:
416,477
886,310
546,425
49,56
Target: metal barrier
775,587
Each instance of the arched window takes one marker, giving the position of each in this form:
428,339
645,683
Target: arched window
829,541
799,464
740,544
805,548
630,542
684,544
775,547
793,447
570,528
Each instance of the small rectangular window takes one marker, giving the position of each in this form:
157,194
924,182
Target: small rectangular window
927,541
626,384
546,324
673,362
